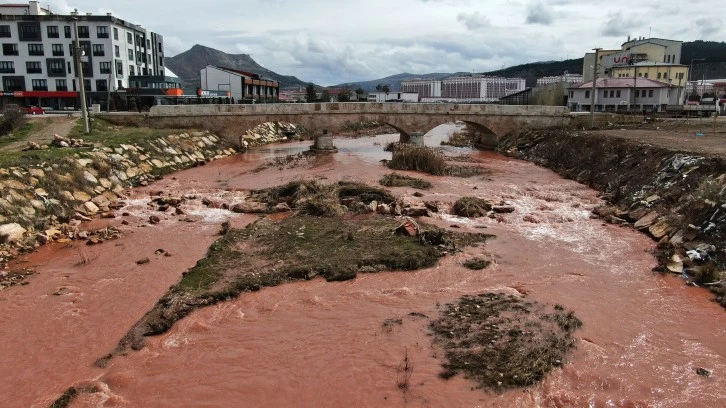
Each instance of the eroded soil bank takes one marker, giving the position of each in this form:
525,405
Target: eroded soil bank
678,197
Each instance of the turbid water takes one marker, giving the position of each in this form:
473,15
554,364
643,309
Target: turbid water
320,344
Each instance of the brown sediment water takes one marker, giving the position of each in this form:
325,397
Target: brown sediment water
323,344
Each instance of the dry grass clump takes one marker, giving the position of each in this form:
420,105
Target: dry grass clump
400,180
313,197
471,207
503,341
419,158
476,263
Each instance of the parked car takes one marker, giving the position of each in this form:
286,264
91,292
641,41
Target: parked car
35,110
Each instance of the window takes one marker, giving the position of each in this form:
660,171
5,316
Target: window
11,84
105,67
101,85
5,31
148,43
659,75
637,93
131,70
98,50
161,61
650,93
56,67
102,32
61,85
53,32
35,49
645,75
129,38
587,94
69,67
29,31
612,94
7,67
67,31
33,67
131,55
572,94
10,49
117,51
70,49
617,94
115,33
87,85
57,50
83,32
119,68
40,84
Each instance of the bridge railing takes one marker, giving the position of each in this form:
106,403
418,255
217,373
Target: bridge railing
357,107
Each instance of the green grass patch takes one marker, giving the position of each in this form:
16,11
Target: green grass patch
18,135
104,133
503,341
400,180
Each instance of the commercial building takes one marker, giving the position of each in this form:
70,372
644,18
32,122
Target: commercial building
624,94
393,97
466,89
632,52
37,65
242,86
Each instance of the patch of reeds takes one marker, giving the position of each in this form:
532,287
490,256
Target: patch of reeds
471,207
400,180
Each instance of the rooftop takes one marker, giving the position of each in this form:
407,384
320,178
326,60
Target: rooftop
638,82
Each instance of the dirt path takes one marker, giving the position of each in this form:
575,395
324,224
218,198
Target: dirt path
44,127
679,135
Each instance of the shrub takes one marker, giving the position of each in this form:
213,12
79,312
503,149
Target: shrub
13,118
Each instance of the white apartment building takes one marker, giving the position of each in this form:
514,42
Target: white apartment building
623,94
37,65
467,89
566,78
392,96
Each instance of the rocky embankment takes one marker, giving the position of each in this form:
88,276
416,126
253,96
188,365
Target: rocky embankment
46,200
677,198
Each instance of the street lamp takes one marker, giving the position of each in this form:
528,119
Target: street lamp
592,91
79,73
690,68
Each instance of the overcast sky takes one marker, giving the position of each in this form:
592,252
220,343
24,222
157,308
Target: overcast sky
334,41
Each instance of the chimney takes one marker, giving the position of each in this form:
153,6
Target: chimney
109,14
33,8
628,38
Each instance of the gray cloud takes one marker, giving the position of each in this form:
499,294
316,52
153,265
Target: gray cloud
619,25
474,21
538,13
330,42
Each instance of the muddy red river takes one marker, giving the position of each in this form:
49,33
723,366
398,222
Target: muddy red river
320,344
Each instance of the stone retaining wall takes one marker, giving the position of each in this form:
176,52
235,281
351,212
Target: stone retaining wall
88,183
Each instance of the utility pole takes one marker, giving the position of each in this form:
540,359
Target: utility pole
690,68
593,90
79,73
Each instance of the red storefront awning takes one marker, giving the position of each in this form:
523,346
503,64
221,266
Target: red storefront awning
42,94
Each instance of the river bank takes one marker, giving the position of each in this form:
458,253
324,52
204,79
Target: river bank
676,196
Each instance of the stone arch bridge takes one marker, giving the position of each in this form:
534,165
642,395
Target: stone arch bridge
490,121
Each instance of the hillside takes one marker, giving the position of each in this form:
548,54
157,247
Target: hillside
393,81
188,64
